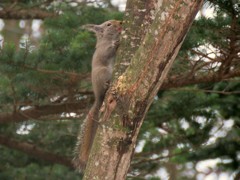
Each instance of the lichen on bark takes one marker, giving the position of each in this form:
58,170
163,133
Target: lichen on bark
137,81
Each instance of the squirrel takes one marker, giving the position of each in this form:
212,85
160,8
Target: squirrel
108,37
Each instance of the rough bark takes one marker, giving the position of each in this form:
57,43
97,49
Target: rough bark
132,93
136,21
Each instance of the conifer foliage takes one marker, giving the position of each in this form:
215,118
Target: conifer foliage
45,93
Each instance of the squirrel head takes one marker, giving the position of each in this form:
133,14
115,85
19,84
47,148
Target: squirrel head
108,30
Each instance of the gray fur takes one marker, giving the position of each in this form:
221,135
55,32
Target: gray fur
108,35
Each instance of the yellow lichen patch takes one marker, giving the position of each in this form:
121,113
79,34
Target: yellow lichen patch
121,84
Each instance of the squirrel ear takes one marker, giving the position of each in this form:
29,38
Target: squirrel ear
94,28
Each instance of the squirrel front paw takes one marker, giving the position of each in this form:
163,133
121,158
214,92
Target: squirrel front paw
115,43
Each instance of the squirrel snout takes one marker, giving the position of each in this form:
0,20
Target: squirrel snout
119,29
120,26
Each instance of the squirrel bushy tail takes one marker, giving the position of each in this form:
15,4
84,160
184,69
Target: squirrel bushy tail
86,136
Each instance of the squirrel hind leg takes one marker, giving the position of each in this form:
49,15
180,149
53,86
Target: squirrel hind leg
79,165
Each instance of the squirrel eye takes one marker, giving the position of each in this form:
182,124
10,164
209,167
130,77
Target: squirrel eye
109,24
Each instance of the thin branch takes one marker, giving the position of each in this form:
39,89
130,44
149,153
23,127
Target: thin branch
181,80
145,160
199,53
207,91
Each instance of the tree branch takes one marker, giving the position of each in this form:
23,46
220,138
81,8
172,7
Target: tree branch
182,80
25,14
171,82
35,151
60,72
39,111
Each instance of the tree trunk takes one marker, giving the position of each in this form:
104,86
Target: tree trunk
146,60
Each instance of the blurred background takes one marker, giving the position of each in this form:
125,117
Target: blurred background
191,130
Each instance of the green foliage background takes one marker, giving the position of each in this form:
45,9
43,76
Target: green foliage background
188,118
